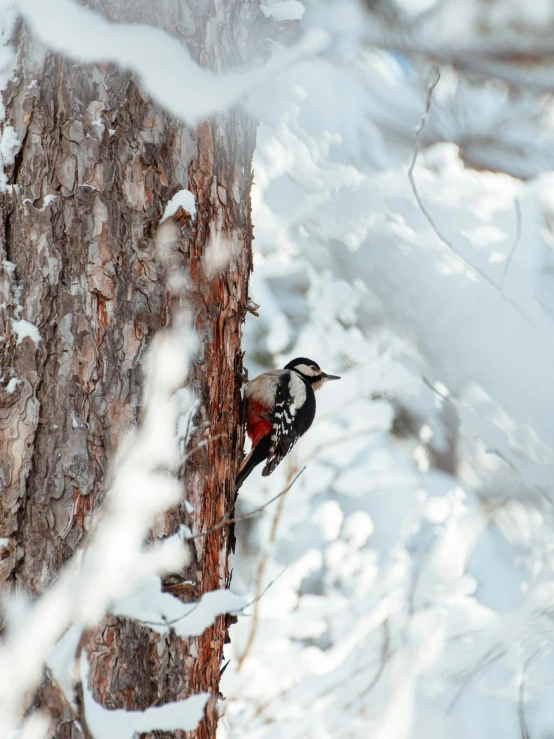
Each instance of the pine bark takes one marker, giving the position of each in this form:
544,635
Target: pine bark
97,164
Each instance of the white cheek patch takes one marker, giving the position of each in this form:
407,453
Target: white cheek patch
305,370
297,390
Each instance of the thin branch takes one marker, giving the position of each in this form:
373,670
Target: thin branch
259,578
488,59
423,207
386,654
261,595
521,709
227,522
423,122
199,446
517,239
246,516
521,699
167,622
494,654
411,177
172,622
331,688
332,443
498,48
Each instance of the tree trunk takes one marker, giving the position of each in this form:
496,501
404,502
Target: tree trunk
97,163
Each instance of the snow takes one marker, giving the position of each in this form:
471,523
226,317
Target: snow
8,19
184,715
45,203
9,145
288,10
62,658
402,588
164,65
162,611
115,558
219,253
441,577
182,199
24,329
36,727
416,6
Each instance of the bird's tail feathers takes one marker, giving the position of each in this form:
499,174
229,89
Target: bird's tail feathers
254,458
244,469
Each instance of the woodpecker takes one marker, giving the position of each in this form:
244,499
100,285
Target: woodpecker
280,407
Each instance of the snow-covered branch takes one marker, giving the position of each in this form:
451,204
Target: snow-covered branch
166,68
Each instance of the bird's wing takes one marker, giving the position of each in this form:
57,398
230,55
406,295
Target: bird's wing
284,434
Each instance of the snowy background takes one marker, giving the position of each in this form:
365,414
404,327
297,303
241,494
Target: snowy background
406,580
403,211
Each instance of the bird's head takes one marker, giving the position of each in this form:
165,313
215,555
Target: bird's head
310,371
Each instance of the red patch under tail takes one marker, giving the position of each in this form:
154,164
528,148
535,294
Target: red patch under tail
257,422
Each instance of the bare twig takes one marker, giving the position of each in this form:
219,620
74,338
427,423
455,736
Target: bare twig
517,239
246,516
172,622
423,207
521,710
521,699
494,654
488,59
383,660
259,592
167,622
259,577
228,522
330,689
385,654
411,177
423,122
347,438
264,591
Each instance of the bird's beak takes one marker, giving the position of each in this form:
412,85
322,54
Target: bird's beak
329,377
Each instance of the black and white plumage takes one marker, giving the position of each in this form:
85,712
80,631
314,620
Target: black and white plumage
280,408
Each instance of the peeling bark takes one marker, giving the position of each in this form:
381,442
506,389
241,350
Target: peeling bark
97,164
